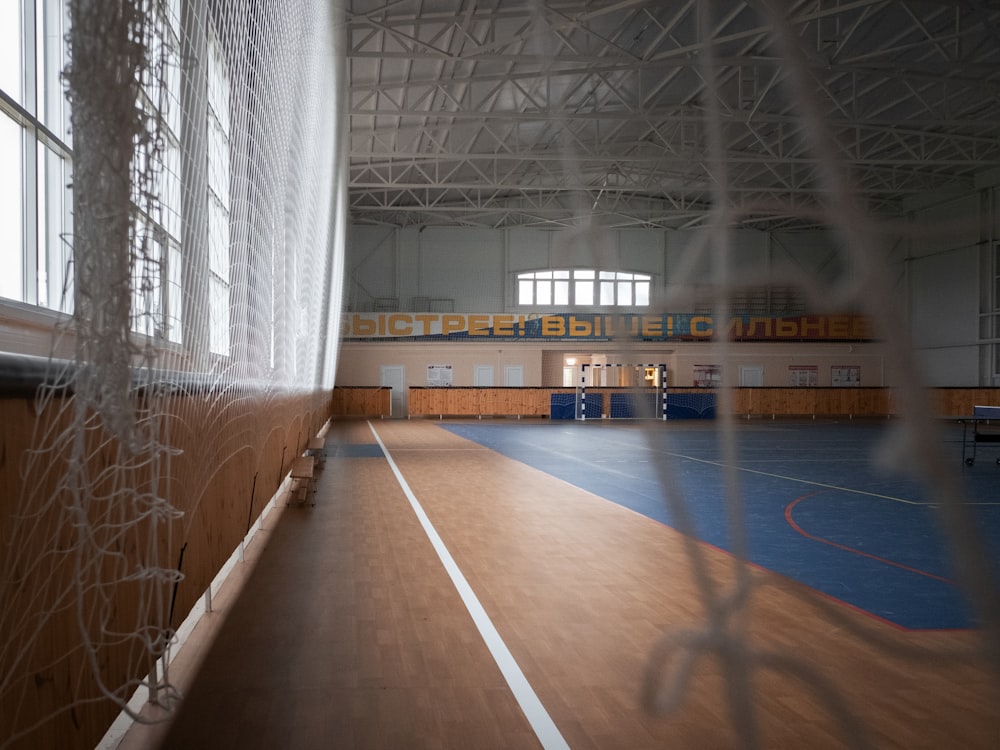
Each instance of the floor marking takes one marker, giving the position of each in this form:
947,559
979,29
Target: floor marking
800,481
854,550
545,729
861,461
408,448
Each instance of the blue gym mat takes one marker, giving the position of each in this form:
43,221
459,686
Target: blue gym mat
817,509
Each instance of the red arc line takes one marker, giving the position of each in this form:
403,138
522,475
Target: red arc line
791,522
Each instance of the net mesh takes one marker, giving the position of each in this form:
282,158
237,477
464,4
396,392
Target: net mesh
913,447
207,243
208,230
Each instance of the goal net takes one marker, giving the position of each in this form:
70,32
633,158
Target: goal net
208,222
207,242
622,391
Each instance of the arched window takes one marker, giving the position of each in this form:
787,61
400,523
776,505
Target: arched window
583,287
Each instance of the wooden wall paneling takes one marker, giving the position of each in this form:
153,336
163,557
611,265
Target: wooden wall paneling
438,401
760,401
360,401
765,402
433,401
216,448
418,402
456,402
951,402
828,402
535,402
446,404
956,402
532,402
797,402
45,679
753,402
517,401
468,400
743,401
942,402
525,400
495,401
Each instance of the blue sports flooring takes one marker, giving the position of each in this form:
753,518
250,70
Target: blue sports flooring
817,508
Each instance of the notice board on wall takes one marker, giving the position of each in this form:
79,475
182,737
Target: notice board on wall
439,375
803,375
848,376
707,376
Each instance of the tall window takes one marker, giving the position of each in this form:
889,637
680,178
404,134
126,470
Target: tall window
35,153
991,328
156,272
218,196
583,288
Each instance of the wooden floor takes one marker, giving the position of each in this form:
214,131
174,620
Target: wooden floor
346,632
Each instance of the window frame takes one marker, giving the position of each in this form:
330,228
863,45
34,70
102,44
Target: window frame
608,289
218,193
40,255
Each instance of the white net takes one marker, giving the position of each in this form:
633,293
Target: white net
207,245
914,448
645,397
208,232
761,159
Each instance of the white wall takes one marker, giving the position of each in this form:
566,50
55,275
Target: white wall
944,291
460,268
936,273
476,267
371,266
360,362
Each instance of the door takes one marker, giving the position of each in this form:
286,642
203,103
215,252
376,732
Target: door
752,376
513,376
483,376
394,377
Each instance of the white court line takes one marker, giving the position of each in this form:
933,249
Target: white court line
410,449
542,724
973,503
803,481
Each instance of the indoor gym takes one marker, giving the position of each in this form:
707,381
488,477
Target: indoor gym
222,218
563,535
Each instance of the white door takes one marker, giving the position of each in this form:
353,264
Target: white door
513,376
483,376
752,376
394,377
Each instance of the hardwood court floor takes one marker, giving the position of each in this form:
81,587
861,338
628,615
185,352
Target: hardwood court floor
348,633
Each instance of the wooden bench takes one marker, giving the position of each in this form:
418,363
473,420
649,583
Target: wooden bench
303,486
317,449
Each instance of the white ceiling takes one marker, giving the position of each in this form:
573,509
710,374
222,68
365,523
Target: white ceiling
636,113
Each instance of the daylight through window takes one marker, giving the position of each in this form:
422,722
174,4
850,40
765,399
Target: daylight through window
583,287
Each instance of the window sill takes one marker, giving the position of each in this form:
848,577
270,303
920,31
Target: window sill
29,329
